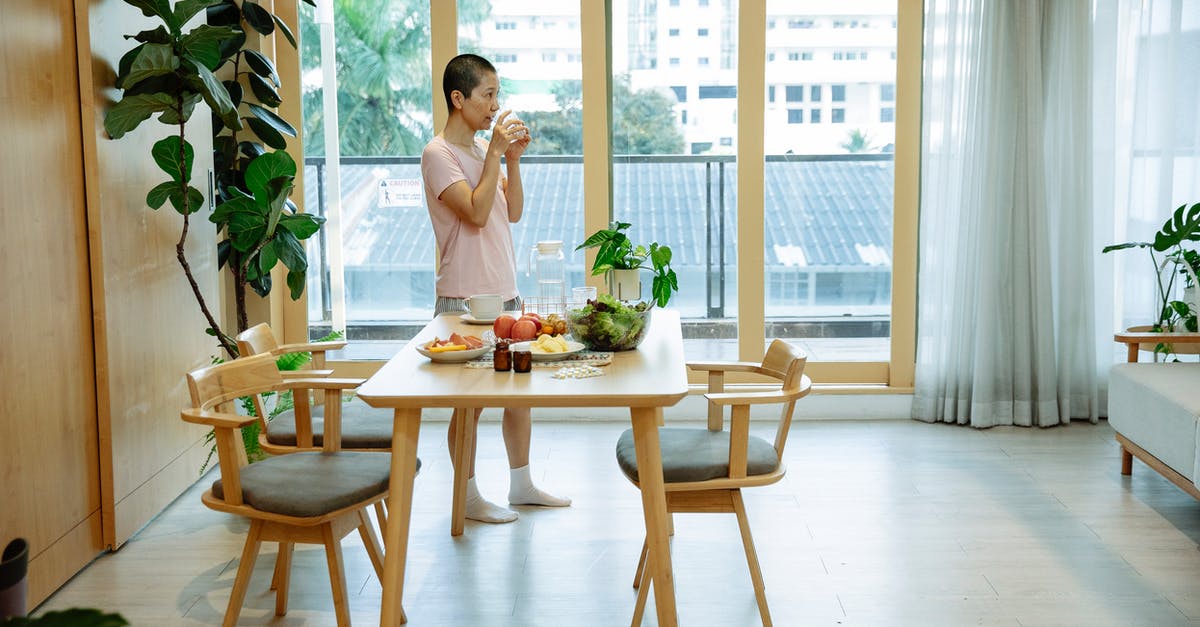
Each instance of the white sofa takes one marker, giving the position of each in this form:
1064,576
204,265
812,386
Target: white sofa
1155,410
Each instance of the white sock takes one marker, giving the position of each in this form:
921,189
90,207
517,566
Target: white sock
521,490
483,510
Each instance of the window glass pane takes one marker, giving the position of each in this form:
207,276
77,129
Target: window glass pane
674,171
548,96
829,182
387,253
385,120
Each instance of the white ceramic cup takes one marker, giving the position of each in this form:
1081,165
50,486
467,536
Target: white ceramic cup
485,306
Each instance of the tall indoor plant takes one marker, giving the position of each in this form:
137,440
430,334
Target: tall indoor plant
166,74
617,254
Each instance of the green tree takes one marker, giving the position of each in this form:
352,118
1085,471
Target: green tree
644,122
384,82
858,141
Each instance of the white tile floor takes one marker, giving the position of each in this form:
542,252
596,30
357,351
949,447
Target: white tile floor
877,523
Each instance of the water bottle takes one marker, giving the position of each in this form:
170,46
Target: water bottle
548,263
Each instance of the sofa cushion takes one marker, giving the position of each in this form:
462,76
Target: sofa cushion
310,484
1156,406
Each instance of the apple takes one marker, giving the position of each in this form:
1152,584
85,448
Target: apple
524,330
532,316
503,325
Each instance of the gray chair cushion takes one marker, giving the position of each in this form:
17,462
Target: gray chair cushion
312,483
696,455
363,426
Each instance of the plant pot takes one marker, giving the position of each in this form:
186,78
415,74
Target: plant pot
625,285
14,580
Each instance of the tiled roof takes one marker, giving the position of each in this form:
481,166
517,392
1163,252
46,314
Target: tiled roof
818,213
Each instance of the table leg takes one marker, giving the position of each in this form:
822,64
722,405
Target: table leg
464,447
654,509
406,427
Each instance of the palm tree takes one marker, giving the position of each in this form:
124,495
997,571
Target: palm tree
858,141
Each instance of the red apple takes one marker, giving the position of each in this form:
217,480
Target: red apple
503,325
532,316
524,330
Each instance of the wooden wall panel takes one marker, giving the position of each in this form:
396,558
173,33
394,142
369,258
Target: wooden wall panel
49,485
151,329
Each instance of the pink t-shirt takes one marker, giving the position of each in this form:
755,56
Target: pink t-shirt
471,260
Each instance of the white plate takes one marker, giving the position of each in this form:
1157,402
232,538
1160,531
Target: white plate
454,357
469,319
572,348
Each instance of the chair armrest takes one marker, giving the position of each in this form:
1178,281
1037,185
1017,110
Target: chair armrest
323,384
305,374
215,418
311,347
724,366
758,398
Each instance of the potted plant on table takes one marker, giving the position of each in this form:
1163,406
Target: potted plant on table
618,257
610,322
1174,316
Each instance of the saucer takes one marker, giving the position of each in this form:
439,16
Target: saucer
470,319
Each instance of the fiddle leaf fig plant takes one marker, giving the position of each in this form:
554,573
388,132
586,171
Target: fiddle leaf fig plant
166,74
615,251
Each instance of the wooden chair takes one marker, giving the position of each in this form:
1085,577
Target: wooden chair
705,469
364,428
310,497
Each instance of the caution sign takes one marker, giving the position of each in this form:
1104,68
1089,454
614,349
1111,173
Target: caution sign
400,193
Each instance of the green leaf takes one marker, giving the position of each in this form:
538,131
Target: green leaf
660,256
267,133
258,18
302,225
152,60
267,258
155,8
234,89
277,193
225,13
269,166
126,63
131,111
158,36
1182,226
270,117
188,203
246,230
283,28
1126,245
174,159
160,193
217,98
295,281
290,250
263,91
204,44
225,211
261,285
187,9
261,65
232,46
171,116
251,149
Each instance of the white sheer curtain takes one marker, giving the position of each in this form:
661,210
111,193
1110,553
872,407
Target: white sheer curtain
1147,105
1006,325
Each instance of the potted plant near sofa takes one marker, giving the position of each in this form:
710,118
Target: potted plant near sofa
1171,260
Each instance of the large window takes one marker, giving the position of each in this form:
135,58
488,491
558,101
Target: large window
826,222
828,213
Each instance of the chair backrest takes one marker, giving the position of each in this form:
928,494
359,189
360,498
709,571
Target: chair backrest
257,339
215,390
786,363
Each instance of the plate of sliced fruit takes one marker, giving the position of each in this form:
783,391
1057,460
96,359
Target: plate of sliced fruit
456,349
548,347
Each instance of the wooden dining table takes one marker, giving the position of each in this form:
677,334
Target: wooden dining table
645,380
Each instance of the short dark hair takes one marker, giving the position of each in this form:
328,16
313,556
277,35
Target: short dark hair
464,73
